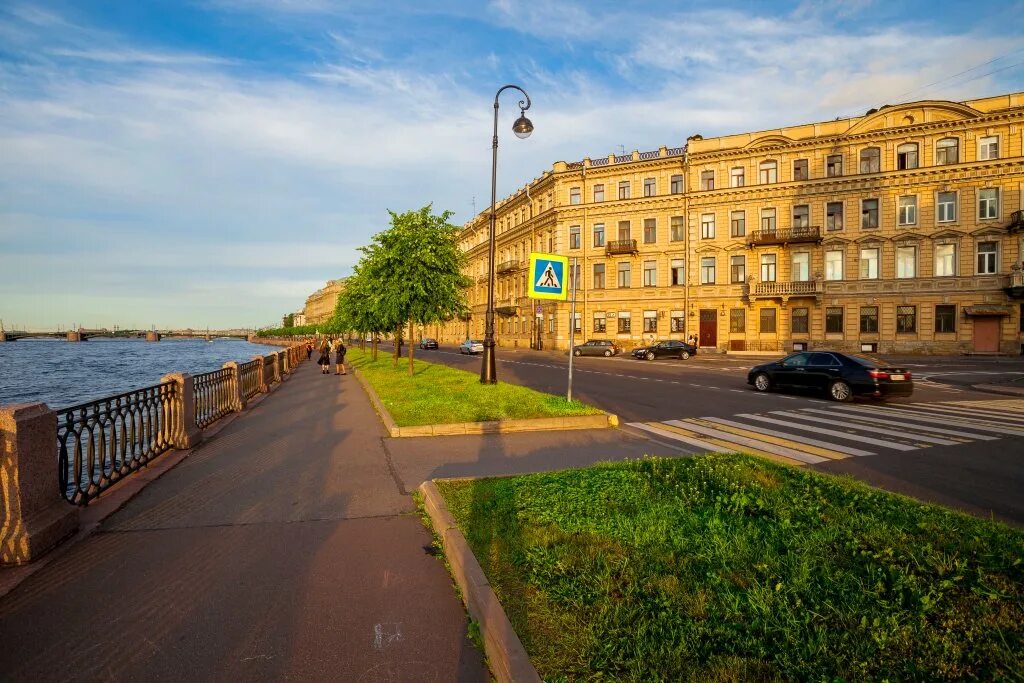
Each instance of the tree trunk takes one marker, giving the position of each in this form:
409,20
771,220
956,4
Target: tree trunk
373,347
398,347
362,342
410,347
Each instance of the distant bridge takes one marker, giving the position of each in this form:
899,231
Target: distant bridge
82,334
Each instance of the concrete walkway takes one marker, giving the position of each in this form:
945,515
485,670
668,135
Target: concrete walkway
283,548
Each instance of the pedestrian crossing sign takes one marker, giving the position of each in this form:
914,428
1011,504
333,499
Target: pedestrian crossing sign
547,276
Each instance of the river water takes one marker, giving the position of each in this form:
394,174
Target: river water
62,373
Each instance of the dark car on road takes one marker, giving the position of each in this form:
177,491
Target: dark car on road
596,347
428,343
671,348
840,375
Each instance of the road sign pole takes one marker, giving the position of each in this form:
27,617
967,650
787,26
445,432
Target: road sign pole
572,327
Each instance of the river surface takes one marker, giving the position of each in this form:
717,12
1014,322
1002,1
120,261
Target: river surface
63,374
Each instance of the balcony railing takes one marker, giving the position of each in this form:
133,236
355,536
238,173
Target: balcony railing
1016,221
791,288
810,233
620,247
508,267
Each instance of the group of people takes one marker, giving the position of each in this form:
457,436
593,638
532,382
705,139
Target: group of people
328,345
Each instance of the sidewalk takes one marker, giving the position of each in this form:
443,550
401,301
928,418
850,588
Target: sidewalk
283,548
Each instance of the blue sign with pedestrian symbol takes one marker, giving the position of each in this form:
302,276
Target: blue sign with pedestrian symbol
547,278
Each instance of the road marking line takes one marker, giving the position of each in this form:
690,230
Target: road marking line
728,446
920,416
778,439
833,432
864,428
862,413
946,413
746,441
704,446
848,450
982,413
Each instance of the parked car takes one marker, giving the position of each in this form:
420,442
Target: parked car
842,376
471,346
428,343
671,348
596,347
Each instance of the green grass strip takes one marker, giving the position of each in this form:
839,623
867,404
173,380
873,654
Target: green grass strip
731,568
437,394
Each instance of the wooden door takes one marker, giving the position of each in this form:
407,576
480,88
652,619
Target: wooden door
709,327
986,334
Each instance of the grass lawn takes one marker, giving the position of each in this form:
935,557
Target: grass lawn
732,568
437,394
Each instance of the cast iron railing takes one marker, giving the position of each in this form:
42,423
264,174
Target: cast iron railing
214,396
620,247
809,233
788,288
249,376
101,441
270,369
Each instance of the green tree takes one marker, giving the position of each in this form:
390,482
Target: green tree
289,320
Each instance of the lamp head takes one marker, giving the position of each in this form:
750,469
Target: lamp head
522,127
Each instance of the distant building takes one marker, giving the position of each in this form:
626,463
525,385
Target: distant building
320,304
299,318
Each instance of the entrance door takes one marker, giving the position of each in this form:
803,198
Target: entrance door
986,333
709,327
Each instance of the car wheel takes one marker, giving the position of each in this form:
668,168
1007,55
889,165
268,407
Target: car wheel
650,355
607,354
577,353
685,355
762,382
840,391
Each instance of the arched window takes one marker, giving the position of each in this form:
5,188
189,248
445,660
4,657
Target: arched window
870,160
906,156
947,151
768,172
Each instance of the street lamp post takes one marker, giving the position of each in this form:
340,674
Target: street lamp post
522,128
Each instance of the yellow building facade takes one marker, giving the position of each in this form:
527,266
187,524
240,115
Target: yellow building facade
896,231
321,303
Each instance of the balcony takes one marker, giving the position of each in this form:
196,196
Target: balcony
1016,221
761,238
785,289
507,308
1014,282
616,247
508,267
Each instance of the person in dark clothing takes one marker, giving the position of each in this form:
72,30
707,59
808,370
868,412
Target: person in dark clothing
324,361
339,358
309,350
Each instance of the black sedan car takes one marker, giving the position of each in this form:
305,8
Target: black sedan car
671,348
841,375
428,343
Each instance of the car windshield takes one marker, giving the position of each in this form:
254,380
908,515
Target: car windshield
475,341
866,362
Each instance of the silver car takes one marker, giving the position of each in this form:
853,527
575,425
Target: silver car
471,346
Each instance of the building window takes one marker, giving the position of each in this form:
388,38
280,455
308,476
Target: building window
946,207
574,276
624,230
551,323
625,323
834,320
736,177
650,230
650,187
906,319
800,169
801,216
598,276
907,210
799,321
869,263
945,318
868,213
577,323
599,192
574,195
574,237
768,220
906,156
624,274
737,320
676,186
677,271
947,151
945,260
768,172
598,234
834,216
988,203
834,265
767,267
988,253
737,269
988,148
707,180
906,262
767,321
869,319
707,226
650,321
738,223
801,266
707,270
624,189
677,229
870,160
650,273
600,324
834,165
678,321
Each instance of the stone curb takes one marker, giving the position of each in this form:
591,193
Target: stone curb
504,650
541,424
1003,389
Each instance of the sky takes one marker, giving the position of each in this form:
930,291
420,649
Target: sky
197,163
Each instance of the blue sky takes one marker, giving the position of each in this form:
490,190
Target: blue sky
211,162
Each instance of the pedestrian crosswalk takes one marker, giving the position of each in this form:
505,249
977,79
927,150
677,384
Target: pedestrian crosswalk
835,431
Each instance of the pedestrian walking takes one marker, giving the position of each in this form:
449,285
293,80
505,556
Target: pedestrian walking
309,350
324,361
339,359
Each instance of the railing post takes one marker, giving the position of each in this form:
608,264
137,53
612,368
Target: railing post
278,363
36,517
261,379
287,360
184,431
237,395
